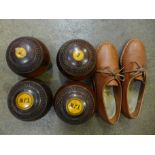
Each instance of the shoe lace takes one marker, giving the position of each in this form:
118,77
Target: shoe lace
120,73
116,74
139,71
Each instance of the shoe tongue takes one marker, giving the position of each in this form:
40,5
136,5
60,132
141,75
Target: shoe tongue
139,78
112,83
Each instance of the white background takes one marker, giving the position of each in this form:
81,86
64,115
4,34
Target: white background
77,9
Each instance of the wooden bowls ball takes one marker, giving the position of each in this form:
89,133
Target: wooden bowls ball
27,56
29,100
77,59
74,103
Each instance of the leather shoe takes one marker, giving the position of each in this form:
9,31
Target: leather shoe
133,61
107,83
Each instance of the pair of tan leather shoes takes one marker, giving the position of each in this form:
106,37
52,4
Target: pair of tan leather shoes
120,88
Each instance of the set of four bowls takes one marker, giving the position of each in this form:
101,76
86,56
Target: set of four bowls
31,99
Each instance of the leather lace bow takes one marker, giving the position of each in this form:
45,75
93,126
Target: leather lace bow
120,74
116,74
139,71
